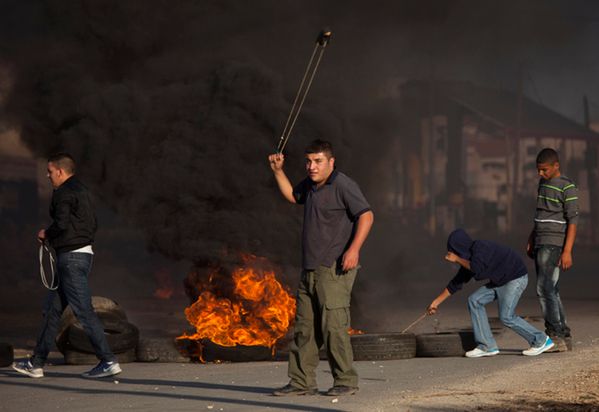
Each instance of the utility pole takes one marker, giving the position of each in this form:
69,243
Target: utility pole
517,137
592,178
431,155
512,158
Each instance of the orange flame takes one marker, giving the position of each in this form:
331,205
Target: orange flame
353,331
259,313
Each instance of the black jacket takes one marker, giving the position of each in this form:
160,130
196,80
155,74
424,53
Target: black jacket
74,220
488,260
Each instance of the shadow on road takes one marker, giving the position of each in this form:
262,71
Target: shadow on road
114,389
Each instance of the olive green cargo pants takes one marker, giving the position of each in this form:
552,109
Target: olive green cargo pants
323,317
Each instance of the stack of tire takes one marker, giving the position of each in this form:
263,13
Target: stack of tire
122,336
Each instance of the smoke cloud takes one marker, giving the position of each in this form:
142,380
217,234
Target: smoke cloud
171,108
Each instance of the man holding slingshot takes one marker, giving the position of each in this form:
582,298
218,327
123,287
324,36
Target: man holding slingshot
337,219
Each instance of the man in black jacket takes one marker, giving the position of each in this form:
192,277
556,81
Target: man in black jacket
71,234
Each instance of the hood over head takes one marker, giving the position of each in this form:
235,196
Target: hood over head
459,242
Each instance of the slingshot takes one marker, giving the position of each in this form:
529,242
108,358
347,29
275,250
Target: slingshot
321,43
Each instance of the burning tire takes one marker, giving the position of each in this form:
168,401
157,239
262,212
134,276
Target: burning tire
383,346
444,343
121,336
6,354
73,357
212,352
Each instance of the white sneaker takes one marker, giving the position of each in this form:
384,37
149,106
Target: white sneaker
26,368
479,353
532,351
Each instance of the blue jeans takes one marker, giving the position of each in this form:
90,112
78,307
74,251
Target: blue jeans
546,262
507,297
73,270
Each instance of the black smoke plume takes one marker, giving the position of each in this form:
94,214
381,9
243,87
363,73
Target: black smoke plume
172,107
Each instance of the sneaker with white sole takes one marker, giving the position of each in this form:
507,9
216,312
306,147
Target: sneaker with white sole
102,370
479,353
534,351
27,368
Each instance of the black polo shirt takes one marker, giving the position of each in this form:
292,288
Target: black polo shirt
330,215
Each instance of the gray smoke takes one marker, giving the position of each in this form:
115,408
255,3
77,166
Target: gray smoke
172,107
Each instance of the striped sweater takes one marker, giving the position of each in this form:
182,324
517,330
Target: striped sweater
557,207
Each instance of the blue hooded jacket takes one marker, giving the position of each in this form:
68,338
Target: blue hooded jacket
488,260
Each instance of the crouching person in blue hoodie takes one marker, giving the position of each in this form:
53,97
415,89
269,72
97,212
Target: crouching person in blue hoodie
508,277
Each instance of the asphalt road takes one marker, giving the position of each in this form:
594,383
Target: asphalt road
247,386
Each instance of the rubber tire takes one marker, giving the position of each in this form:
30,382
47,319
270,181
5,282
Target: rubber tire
100,304
383,346
73,357
62,338
103,307
121,336
7,355
212,352
159,350
444,344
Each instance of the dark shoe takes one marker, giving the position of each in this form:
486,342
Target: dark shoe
289,390
568,340
103,370
340,390
560,344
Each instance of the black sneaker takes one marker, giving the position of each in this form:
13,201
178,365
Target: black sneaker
568,340
102,370
290,390
340,390
560,344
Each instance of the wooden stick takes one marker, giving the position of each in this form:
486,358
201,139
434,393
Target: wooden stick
415,322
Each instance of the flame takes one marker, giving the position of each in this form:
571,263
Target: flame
353,331
259,312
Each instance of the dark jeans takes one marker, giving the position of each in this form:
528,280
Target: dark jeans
73,270
548,271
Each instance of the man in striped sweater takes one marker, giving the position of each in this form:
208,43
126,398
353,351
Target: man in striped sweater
551,240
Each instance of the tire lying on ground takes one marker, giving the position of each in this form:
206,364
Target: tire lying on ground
121,336
159,350
104,308
444,343
383,346
73,357
62,338
213,352
100,305
6,354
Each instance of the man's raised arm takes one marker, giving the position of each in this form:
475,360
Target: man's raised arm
276,164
